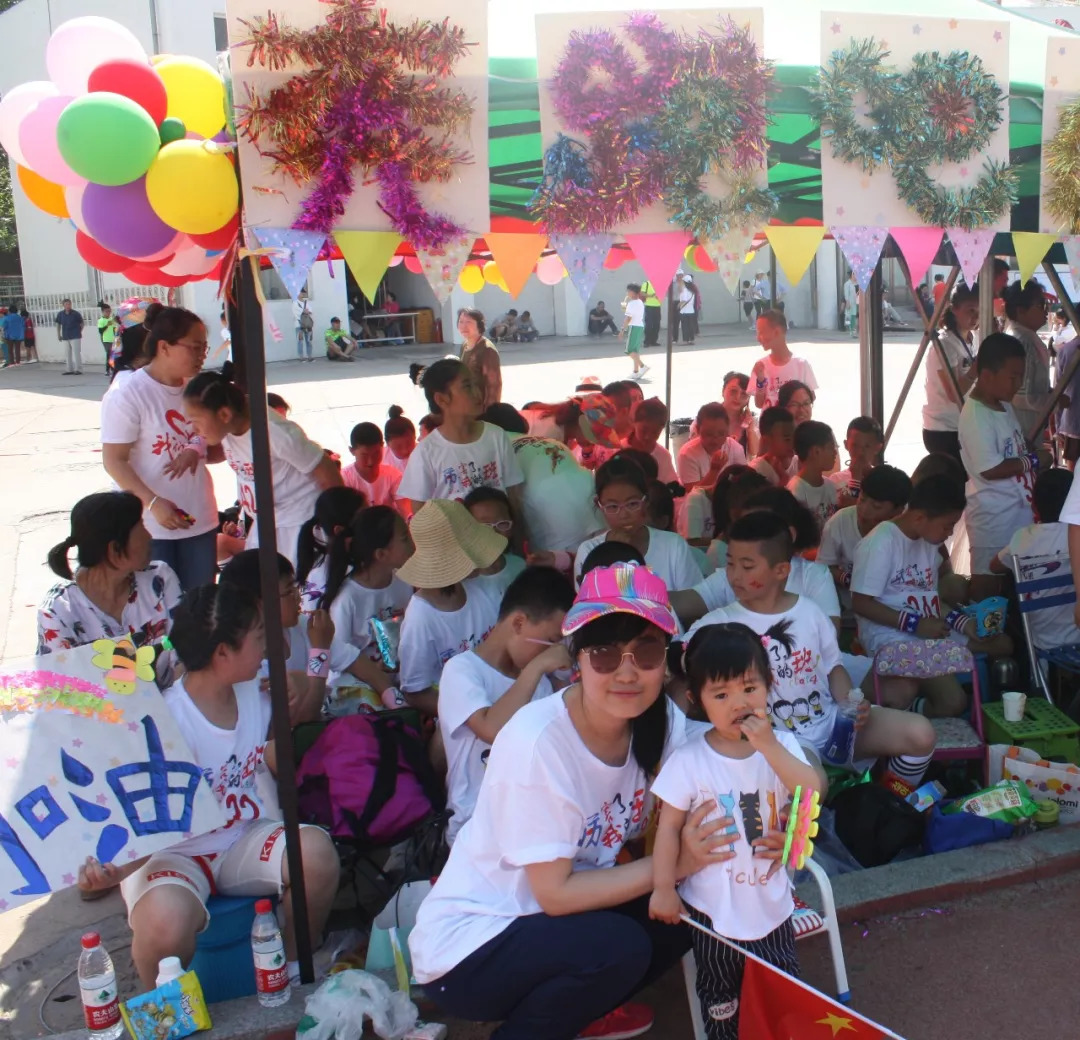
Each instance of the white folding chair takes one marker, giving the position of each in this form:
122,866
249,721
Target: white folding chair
1045,583
807,922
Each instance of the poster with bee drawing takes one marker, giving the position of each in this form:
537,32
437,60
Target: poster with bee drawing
94,765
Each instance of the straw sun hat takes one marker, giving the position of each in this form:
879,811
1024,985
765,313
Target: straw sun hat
450,545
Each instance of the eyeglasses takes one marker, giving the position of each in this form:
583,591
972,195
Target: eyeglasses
502,526
200,347
632,505
647,656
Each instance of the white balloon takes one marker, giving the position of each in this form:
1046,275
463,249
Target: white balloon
73,199
191,262
16,104
80,45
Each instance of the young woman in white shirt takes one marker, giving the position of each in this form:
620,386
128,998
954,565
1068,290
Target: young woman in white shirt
941,413
463,452
622,496
218,410
532,922
117,592
1026,308
224,718
150,449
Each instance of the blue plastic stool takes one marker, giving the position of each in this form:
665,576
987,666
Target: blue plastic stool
223,959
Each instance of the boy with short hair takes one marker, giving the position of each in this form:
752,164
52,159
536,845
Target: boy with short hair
995,452
809,679
340,346
482,689
777,445
885,492
780,366
703,458
368,473
815,446
650,420
864,444
1047,536
894,592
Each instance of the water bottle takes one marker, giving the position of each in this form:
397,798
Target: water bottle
97,986
168,968
841,742
271,969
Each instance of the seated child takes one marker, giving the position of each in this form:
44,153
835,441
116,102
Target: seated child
894,593
662,517
864,444
362,586
883,495
607,554
815,447
711,513
703,458
368,473
1048,536
746,898
809,678
777,445
491,507
650,420
995,452
481,689
334,511
400,437
445,617
622,495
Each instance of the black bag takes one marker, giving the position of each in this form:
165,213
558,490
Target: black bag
876,824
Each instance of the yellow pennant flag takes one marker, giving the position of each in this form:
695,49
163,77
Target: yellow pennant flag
516,254
794,248
368,255
1030,248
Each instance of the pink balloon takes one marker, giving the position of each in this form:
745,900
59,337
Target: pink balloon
178,242
17,103
395,260
412,263
550,270
73,196
191,262
37,139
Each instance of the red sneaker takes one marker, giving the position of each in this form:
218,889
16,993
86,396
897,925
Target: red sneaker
620,1024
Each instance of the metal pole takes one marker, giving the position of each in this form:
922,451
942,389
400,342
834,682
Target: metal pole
253,349
670,332
871,334
986,298
1062,385
930,326
772,279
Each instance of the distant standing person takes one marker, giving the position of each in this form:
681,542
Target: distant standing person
108,326
30,341
305,325
634,327
480,356
851,305
687,311
762,293
69,328
652,314
14,333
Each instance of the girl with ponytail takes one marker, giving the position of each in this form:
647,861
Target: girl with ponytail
334,511
117,592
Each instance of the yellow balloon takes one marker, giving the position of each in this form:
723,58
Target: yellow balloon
196,94
192,188
492,274
42,193
471,279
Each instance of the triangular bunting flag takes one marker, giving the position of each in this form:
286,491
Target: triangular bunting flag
970,248
660,254
296,252
443,265
583,257
1030,248
729,254
861,246
368,255
794,248
1072,256
516,254
919,246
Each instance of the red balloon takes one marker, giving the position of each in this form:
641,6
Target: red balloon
96,255
145,274
135,80
220,239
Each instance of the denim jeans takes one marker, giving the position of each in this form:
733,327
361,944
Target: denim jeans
194,559
303,342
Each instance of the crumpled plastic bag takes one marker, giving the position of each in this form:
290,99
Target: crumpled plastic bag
337,1009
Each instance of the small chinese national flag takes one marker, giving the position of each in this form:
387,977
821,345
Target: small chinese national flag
775,1006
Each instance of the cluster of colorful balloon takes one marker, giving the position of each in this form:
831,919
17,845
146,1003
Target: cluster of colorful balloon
133,149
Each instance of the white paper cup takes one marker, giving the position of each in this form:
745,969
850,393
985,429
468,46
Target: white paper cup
1013,705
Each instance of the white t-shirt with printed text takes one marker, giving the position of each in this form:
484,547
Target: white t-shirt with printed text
441,469
941,412
808,578
797,369
821,501
668,557
353,607
382,491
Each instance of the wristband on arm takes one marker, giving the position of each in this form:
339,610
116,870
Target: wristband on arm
908,621
1030,461
198,445
318,663
957,620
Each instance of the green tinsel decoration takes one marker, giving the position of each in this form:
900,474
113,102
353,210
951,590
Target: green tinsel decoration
967,208
1061,160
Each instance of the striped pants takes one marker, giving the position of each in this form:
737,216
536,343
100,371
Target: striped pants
720,972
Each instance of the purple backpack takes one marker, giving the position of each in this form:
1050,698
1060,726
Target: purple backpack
368,777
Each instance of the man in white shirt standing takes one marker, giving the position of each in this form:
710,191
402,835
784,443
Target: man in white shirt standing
305,325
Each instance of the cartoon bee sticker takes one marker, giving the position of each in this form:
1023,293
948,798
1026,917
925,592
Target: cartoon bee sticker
123,663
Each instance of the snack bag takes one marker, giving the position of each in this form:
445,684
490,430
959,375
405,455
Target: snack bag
171,1011
989,615
1007,802
387,635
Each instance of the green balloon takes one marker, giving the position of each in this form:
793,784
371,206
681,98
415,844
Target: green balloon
107,138
172,129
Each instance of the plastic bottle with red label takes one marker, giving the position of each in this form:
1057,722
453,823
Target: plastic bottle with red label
97,986
271,968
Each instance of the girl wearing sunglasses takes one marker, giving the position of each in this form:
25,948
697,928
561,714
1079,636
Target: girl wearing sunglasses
622,497
535,921
491,507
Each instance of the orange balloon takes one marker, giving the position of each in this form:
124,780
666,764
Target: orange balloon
42,193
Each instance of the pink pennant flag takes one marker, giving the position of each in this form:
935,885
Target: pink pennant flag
919,246
583,257
660,254
971,248
861,246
